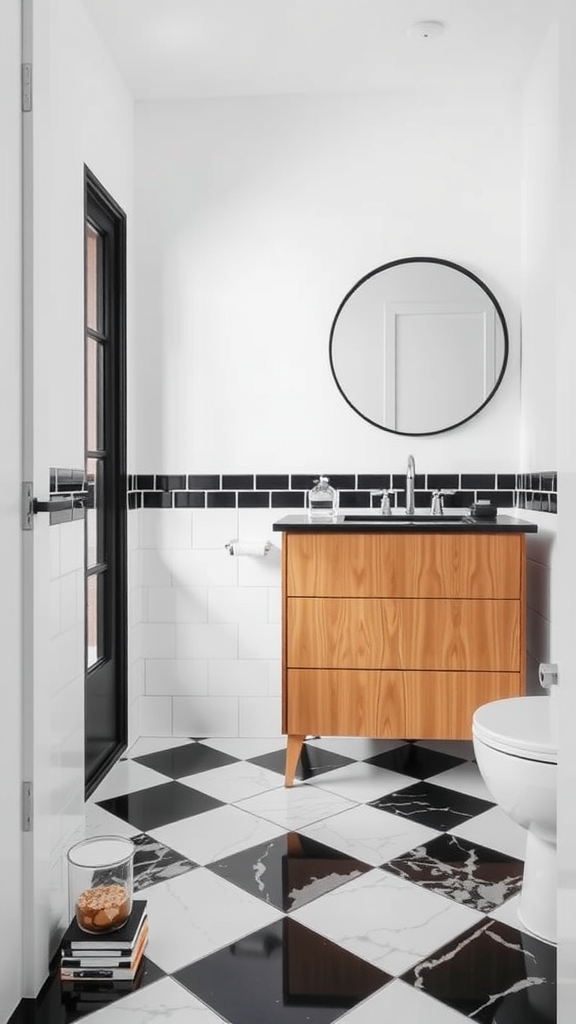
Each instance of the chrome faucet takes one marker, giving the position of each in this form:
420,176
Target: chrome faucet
410,474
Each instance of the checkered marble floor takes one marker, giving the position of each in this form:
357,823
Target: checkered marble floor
382,886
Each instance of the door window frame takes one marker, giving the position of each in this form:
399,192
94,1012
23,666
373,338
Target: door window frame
101,208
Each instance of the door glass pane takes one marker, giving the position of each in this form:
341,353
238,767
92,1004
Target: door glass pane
95,552
94,394
93,271
94,619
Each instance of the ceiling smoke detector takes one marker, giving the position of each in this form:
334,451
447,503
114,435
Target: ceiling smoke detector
426,29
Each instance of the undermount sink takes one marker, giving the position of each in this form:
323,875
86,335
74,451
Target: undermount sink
425,517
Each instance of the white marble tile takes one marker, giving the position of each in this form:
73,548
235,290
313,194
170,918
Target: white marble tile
151,744
246,746
101,823
215,834
465,778
163,1002
127,777
196,913
370,835
233,782
294,807
508,912
398,1001
359,747
495,830
386,920
361,782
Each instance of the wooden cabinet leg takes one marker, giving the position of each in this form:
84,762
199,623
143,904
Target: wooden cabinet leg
293,751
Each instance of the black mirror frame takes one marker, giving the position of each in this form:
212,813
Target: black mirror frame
461,270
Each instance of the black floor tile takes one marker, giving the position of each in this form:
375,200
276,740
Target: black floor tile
159,805
431,805
154,862
466,872
189,758
282,973
289,871
313,761
419,762
492,973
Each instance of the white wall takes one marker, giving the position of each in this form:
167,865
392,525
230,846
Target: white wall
564,579
540,169
548,421
253,219
210,636
82,115
10,476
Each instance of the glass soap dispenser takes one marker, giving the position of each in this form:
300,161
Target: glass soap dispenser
322,500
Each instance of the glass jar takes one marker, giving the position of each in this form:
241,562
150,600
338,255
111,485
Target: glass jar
322,500
100,882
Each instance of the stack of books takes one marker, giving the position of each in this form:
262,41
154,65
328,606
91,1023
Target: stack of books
109,961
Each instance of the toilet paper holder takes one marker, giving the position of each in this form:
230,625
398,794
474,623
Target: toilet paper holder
255,548
548,675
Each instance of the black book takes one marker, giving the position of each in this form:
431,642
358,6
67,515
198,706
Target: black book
75,940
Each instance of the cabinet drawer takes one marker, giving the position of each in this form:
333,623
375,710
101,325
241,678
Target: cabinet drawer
403,634
404,565
417,705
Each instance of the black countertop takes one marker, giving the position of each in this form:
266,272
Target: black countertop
357,522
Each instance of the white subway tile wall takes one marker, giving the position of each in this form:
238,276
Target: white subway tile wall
205,624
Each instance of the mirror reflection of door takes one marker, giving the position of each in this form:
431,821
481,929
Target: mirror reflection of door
105,458
439,362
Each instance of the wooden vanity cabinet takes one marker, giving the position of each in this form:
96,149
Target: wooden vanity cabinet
398,635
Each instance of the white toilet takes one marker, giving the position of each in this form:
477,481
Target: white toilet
517,754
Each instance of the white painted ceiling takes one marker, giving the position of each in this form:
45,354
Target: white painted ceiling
187,48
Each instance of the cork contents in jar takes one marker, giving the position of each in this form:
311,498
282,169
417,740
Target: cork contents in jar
103,908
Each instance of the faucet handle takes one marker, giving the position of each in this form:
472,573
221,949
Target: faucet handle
437,506
385,504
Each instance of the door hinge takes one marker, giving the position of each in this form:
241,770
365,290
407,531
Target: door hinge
27,505
26,806
26,88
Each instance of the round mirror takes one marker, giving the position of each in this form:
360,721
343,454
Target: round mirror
418,346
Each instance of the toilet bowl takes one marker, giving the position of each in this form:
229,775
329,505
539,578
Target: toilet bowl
517,756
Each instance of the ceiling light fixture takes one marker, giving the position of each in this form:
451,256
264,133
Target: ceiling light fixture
426,29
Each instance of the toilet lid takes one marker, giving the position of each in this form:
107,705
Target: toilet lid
519,726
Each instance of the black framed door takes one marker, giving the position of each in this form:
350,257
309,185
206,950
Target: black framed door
105,450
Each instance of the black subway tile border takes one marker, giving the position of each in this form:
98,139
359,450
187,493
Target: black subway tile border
68,487
536,491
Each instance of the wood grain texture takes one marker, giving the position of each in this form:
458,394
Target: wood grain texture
403,634
404,565
395,705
